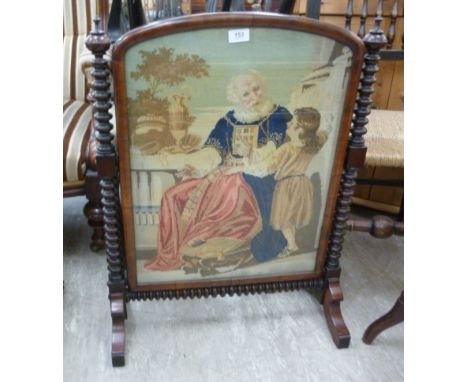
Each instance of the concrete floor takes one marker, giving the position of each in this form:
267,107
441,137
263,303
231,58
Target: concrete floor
277,337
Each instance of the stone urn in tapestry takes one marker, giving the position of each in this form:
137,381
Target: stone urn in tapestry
179,121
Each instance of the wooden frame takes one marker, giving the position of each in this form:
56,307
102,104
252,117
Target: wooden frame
350,154
235,21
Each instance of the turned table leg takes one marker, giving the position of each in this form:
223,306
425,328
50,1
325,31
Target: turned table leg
393,317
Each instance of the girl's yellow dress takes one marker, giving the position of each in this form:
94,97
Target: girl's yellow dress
292,197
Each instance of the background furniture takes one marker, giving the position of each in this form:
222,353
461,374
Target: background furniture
380,182
80,176
381,227
77,20
79,173
393,317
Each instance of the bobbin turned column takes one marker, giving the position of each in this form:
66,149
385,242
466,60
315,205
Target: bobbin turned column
333,294
106,163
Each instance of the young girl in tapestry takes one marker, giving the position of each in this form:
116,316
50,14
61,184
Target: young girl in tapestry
292,199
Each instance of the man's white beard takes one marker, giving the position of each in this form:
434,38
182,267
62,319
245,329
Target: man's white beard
244,114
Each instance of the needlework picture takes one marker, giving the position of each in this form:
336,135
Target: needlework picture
231,147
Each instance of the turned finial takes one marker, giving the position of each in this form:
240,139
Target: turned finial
375,39
378,21
97,41
96,22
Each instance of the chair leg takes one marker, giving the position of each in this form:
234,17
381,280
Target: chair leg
401,213
93,211
393,317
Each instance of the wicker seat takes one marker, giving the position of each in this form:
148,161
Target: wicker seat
384,139
384,166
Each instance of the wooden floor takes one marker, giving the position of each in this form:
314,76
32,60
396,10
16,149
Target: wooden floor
278,337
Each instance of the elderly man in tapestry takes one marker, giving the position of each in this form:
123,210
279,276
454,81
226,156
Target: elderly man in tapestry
218,206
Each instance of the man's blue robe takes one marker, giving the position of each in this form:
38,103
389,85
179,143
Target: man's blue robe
268,243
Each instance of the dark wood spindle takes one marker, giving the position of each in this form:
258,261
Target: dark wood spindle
379,9
392,28
106,162
313,9
362,23
349,15
286,7
374,41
